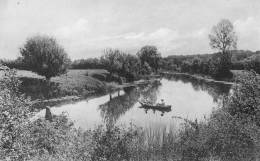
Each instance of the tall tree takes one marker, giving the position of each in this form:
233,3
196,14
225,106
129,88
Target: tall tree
224,39
43,55
223,36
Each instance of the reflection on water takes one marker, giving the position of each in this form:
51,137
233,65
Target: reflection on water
215,89
118,105
189,97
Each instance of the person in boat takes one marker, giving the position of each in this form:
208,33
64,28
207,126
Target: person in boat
147,102
162,103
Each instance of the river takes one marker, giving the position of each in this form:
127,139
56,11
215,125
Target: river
189,97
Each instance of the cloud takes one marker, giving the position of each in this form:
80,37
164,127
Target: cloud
165,39
87,27
247,26
133,35
248,31
79,28
163,33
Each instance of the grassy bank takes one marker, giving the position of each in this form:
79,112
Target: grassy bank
78,83
69,87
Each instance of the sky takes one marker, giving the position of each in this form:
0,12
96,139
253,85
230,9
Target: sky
86,27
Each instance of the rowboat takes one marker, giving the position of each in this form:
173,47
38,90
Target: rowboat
157,106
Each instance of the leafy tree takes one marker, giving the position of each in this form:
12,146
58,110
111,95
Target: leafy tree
223,38
146,69
150,55
110,60
130,68
121,63
43,55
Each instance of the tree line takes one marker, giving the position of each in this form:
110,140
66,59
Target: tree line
224,39
43,55
124,64
209,64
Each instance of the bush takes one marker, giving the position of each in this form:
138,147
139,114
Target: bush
112,143
43,55
244,102
14,114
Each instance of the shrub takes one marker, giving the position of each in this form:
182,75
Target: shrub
244,102
14,114
43,55
112,143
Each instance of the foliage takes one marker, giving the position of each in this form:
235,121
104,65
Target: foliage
123,64
130,67
23,138
244,102
112,143
111,60
14,113
213,64
221,137
17,63
150,55
90,63
252,62
146,69
232,132
43,55
223,36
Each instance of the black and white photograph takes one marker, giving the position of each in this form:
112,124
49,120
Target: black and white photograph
129,80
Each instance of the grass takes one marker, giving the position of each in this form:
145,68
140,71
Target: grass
74,82
80,81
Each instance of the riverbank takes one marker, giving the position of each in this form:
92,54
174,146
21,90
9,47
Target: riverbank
40,104
77,85
73,86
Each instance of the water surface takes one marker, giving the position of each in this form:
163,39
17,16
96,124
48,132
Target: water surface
190,98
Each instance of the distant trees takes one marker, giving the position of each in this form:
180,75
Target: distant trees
124,64
17,63
121,63
131,66
43,55
150,55
90,63
209,64
224,39
218,65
